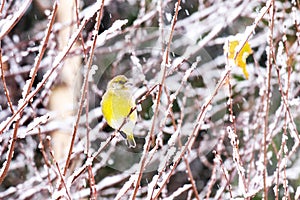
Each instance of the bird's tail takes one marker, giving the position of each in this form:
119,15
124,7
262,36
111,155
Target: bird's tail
130,141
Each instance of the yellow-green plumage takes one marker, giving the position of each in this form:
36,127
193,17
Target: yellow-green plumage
116,104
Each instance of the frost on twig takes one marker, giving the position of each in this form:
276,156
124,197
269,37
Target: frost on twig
203,131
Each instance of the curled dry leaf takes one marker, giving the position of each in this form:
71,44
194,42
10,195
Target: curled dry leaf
237,58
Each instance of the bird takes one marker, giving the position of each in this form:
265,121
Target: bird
117,103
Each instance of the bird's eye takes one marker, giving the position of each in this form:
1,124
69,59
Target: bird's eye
122,82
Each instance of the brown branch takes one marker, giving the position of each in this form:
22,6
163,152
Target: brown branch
78,24
4,83
164,65
12,145
218,160
91,159
11,148
235,140
93,189
177,128
15,19
270,54
2,6
46,77
85,84
42,48
17,115
191,178
285,97
200,119
171,101
61,177
251,29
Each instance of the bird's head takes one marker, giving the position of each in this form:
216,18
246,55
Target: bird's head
119,83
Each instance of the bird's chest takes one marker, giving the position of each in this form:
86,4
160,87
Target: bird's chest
121,105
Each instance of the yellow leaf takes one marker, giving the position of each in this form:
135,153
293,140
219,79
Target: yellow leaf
230,50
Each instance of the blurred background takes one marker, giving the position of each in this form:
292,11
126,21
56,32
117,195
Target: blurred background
211,138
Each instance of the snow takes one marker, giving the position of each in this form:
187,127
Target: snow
92,72
8,23
38,121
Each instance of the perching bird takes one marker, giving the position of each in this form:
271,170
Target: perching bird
117,103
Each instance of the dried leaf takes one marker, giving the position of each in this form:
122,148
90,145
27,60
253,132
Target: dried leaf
237,58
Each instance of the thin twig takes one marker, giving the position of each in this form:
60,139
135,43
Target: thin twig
235,140
268,92
171,101
285,97
78,24
91,159
14,137
225,174
42,48
4,83
2,6
200,119
84,86
46,77
177,128
160,7
10,154
60,175
93,189
251,29
163,76
15,19
218,162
